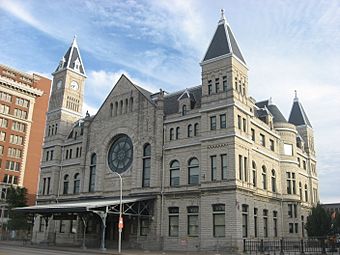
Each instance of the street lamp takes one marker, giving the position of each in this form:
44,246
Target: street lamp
120,222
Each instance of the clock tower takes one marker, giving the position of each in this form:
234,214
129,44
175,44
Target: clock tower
65,106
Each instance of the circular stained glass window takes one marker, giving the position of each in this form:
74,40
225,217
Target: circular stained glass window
120,154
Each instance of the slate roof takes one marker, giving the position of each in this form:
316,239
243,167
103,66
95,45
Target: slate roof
223,43
277,115
70,57
273,109
171,100
297,116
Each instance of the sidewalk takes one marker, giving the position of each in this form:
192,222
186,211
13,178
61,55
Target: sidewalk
108,251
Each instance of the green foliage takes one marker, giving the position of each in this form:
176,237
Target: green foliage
17,197
337,223
318,222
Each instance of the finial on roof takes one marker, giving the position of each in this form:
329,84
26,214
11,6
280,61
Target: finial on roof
296,97
223,19
74,42
270,101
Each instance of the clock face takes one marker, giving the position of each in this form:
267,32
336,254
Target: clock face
59,84
74,85
120,154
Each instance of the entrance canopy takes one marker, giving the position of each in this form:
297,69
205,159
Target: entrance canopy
80,206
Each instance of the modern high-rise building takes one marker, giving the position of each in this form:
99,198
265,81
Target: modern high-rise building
23,106
201,168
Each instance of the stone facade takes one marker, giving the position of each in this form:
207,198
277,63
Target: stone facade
222,167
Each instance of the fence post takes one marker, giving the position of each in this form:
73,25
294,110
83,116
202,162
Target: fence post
302,247
281,247
261,246
323,246
244,245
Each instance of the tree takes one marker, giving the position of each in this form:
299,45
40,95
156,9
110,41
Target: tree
318,222
337,222
17,197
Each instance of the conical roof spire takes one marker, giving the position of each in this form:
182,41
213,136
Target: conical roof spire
298,116
223,42
72,59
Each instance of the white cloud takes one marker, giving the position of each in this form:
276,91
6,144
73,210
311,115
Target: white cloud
18,9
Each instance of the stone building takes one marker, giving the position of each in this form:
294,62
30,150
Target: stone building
23,105
201,168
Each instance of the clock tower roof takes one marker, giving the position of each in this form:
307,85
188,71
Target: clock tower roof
72,60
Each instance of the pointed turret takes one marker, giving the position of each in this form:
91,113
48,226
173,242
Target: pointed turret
297,116
72,59
223,42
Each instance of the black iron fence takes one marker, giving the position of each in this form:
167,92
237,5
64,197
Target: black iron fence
321,245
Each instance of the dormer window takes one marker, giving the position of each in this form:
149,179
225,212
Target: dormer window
76,64
184,110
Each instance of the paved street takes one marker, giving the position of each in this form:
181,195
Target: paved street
16,248
20,250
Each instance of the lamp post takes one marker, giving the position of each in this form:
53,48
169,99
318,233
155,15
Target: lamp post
120,221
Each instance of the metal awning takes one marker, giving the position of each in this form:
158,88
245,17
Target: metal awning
79,206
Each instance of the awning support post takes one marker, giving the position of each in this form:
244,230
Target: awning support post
84,220
103,216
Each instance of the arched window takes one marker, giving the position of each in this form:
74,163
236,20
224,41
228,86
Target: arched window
306,193
131,104
76,184
56,129
49,131
184,110
189,130
93,165
111,109
273,181
52,129
264,177
193,171
116,108
196,129
171,134
126,105
121,107
177,132
146,165
174,173
66,182
254,174
300,190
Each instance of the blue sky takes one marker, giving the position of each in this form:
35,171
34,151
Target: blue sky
288,45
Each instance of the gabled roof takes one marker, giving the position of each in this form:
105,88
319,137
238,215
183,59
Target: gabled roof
72,59
297,116
186,94
223,42
171,100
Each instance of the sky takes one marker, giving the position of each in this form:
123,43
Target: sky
288,45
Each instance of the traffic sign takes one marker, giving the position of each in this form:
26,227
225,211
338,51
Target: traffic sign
120,224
